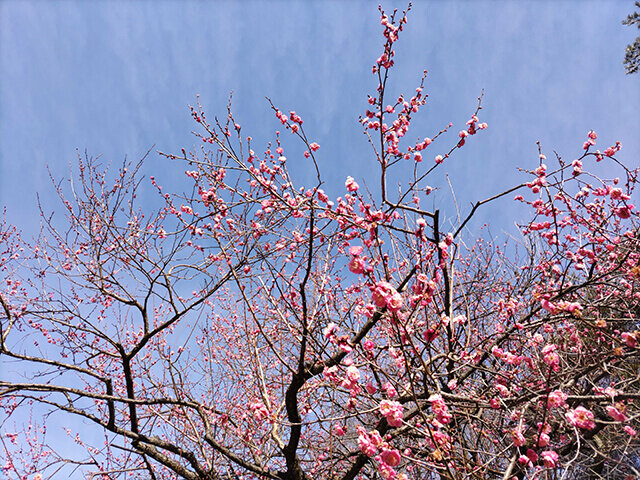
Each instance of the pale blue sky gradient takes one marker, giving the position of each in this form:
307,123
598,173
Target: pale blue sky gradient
114,78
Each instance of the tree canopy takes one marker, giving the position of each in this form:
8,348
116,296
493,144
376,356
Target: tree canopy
253,328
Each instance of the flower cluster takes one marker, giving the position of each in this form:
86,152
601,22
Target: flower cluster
581,417
371,443
358,263
556,399
392,411
439,408
384,295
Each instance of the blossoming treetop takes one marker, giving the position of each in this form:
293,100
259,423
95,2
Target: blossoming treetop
258,329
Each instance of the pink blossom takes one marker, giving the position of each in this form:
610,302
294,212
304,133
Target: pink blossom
394,302
351,184
556,399
617,194
389,390
523,460
497,351
357,265
259,410
551,357
571,307
544,440
380,293
384,295
343,343
550,458
330,330
502,390
314,146
368,441
392,411
387,472
331,373
518,438
366,446
439,159
581,418
440,408
616,414
339,430
630,430
630,339
295,117
623,212
547,305
322,196
390,457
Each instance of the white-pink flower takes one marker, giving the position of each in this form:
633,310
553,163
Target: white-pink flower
368,441
549,458
550,356
357,265
330,330
384,295
351,184
581,418
616,414
394,302
392,411
518,438
440,408
390,457
544,440
353,374
556,399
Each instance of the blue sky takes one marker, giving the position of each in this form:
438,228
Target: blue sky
114,78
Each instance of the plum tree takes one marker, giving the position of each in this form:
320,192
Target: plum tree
257,329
